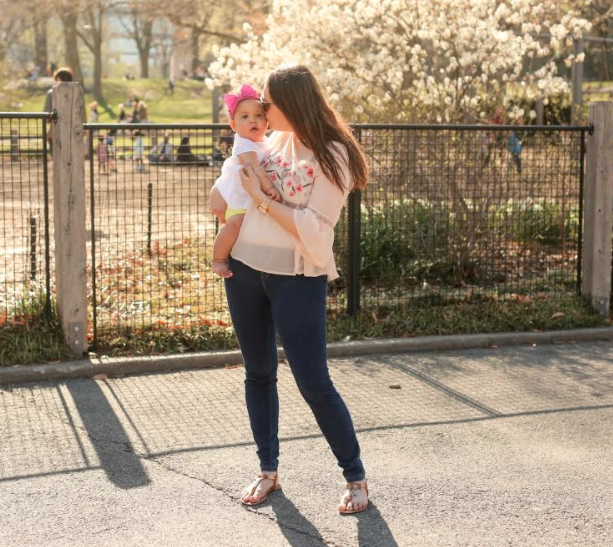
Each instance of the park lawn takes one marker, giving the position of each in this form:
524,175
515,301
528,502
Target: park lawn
191,102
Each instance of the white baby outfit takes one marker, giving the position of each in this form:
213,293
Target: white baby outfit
229,183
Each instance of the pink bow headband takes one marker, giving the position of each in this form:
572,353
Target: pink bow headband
232,100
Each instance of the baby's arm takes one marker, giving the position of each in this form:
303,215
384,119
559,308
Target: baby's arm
251,158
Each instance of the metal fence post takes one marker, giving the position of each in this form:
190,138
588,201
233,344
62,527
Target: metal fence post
69,214
354,236
598,215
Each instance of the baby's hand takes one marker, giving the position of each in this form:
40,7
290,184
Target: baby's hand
273,194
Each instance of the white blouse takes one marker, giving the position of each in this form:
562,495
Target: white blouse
317,202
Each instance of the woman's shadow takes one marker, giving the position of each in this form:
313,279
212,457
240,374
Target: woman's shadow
373,531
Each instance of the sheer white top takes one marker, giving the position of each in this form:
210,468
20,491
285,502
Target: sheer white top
317,203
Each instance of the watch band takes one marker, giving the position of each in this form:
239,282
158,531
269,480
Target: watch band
263,205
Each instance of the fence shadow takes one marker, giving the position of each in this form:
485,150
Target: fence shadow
122,465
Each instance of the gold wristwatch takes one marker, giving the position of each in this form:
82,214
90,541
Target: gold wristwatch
263,205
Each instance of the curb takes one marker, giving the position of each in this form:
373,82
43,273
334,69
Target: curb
116,366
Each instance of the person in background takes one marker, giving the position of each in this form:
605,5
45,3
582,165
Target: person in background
94,116
135,115
102,152
138,151
123,116
165,155
110,143
514,146
62,74
184,152
143,114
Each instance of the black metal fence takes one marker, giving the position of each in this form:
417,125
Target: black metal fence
26,256
457,211
451,212
151,232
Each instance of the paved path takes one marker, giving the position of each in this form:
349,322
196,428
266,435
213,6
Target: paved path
488,447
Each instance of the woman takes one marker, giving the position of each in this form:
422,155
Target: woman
281,264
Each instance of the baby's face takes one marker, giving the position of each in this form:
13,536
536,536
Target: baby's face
250,120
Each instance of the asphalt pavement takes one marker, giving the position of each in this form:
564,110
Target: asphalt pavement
480,447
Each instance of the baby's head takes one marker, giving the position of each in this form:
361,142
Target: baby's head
246,112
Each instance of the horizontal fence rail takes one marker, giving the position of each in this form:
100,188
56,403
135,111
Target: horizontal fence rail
26,227
451,212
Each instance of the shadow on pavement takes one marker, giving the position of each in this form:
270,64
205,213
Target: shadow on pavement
373,531
108,437
297,529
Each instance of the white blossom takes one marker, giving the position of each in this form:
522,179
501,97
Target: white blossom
385,60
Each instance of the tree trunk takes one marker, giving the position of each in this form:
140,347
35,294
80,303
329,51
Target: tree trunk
69,21
195,45
97,51
40,44
144,48
98,68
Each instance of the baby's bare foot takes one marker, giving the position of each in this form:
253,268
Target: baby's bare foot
220,267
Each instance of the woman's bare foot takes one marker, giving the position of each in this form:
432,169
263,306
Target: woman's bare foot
355,497
258,490
220,267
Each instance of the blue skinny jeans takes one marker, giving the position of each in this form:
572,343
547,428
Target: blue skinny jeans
295,307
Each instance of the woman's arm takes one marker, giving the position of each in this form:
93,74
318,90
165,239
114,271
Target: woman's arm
279,212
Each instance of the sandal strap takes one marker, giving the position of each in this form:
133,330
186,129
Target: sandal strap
353,486
269,477
261,478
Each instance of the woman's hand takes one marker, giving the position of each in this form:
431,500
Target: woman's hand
251,183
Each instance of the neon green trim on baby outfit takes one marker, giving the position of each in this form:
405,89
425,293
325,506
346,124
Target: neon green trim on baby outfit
234,212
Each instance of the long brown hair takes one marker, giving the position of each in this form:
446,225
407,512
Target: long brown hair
296,92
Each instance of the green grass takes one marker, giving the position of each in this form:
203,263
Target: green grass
28,336
430,316
420,317
191,102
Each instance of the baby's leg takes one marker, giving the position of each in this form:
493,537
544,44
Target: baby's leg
223,245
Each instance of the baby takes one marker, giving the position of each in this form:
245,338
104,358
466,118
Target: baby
248,121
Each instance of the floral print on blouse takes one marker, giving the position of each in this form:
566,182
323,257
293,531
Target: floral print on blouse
294,182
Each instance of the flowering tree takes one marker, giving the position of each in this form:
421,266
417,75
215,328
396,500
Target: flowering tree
414,60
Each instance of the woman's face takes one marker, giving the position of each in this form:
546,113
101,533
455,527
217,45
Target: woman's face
276,119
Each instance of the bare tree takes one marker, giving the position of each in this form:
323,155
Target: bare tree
12,24
138,18
163,38
218,20
40,12
600,13
195,16
94,14
68,11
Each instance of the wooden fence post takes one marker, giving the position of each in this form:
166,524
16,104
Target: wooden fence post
598,209
69,214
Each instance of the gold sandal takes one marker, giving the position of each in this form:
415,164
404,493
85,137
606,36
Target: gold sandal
262,499
353,487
